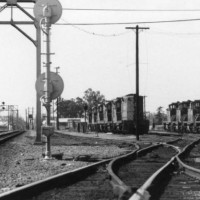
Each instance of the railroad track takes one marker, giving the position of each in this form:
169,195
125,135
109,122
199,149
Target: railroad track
184,182
180,186
175,180
8,135
128,173
131,175
93,182
90,182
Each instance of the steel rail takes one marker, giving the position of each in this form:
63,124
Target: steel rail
119,187
151,185
36,188
69,178
143,191
8,135
187,169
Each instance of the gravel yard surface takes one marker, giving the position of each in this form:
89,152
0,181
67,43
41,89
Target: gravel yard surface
21,162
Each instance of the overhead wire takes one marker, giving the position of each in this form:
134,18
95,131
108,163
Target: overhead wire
75,25
132,10
125,10
126,23
97,34
163,32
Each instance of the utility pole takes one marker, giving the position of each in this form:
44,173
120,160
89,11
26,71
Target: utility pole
57,105
137,28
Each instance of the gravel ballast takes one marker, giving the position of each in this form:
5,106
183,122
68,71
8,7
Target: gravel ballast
21,162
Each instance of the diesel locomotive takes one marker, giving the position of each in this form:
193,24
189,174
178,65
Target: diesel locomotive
183,117
118,116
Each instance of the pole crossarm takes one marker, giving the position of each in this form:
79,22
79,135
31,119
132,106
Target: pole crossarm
137,27
17,22
24,11
9,107
3,7
21,31
14,23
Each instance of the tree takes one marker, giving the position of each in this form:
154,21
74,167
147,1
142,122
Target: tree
20,123
71,108
16,122
76,107
93,98
160,116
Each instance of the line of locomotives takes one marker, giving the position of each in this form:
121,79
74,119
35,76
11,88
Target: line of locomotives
118,116
183,117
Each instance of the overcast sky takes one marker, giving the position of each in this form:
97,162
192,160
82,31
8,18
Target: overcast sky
102,57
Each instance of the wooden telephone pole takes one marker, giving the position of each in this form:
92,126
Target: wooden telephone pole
137,28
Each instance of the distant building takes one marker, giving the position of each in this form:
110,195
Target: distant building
69,123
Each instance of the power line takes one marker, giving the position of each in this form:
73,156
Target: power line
175,33
123,33
126,10
97,34
125,23
165,32
132,10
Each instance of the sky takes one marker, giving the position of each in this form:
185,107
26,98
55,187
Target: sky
102,57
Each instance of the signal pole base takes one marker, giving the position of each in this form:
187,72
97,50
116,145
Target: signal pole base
48,156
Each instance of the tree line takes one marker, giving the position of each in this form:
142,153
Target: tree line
75,108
